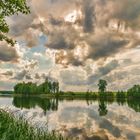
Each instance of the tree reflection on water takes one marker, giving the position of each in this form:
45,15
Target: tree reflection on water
52,104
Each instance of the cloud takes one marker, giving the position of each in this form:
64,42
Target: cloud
114,130
102,71
92,22
28,77
20,75
89,15
58,40
73,77
79,34
8,73
104,45
37,76
8,53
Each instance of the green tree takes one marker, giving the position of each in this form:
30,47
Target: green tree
102,108
54,87
32,88
9,8
57,87
134,92
102,85
50,87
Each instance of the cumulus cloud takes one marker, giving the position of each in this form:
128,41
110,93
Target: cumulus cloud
102,71
8,53
20,75
105,26
77,33
73,77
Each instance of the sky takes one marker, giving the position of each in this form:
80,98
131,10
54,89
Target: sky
75,42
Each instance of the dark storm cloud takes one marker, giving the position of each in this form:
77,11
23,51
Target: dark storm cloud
102,71
89,16
62,38
105,45
55,22
59,43
8,53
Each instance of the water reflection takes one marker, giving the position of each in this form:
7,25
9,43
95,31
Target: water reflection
52,104
31,102
102,108
113,119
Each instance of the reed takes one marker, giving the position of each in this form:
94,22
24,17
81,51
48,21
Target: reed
12,128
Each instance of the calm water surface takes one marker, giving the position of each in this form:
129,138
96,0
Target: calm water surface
83,119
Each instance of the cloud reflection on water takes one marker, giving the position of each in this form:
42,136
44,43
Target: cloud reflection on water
77,119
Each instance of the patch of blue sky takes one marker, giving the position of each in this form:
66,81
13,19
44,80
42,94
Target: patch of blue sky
41,44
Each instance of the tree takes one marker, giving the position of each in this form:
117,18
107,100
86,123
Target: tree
102,108
8,8
32,88
134,92
102,85
57,87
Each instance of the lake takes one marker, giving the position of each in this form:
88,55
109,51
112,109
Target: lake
83,119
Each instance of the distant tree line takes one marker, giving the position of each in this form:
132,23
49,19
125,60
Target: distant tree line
133,92
32,88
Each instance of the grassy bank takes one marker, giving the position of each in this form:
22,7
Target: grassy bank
12,128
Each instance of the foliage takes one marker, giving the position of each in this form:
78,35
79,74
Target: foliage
120,94
134,92
6,92
134,104
102,108
102,85
9,8
31,102
107,95
12,128
32,88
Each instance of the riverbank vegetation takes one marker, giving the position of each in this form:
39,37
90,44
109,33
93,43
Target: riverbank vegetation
12,128
52,104
30,88
51,89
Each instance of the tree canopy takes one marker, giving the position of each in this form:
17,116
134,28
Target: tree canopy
134,92
102,85
32,88
9,8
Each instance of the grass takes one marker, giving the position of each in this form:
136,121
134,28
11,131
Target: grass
12,128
